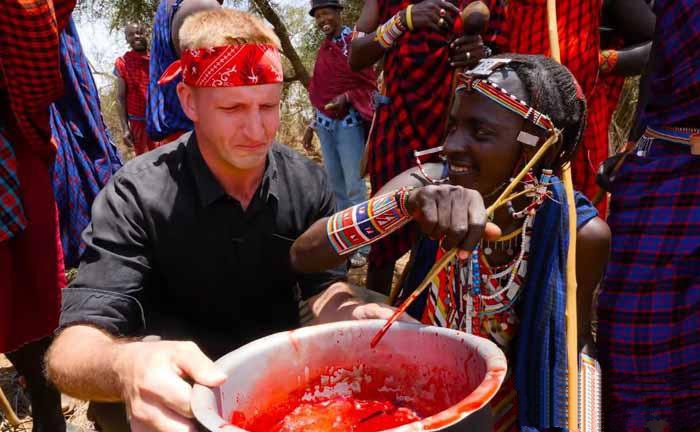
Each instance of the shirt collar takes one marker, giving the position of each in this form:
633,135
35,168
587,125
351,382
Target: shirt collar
209,188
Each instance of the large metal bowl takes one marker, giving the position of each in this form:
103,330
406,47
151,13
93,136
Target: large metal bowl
263,373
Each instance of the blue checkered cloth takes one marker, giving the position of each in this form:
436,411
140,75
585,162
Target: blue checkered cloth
164,116
86,158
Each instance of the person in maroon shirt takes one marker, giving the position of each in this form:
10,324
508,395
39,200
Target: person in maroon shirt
131,71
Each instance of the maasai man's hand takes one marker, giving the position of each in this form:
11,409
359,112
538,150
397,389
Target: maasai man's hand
338,103
438,15
453,214
128,139
307,141
466,51
153,386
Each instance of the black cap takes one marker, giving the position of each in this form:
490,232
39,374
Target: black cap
316,4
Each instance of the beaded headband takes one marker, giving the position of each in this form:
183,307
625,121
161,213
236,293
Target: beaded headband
477,80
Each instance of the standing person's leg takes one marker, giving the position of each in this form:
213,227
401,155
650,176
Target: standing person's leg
333,164
142,143
34,279
351,148
46,400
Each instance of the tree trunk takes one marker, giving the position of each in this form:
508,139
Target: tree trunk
300,72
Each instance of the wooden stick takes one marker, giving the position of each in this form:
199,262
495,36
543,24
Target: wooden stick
571,284
8,411
449,256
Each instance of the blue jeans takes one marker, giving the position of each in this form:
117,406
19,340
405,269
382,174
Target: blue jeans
342,146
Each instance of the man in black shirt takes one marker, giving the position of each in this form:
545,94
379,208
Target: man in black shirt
190,242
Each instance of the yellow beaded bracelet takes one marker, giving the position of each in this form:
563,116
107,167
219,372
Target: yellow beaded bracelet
409,17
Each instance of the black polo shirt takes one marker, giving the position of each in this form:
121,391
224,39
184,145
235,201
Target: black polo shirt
169,253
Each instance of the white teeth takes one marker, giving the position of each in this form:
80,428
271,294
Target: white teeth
458,169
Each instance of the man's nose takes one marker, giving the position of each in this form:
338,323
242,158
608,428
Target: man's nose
255,126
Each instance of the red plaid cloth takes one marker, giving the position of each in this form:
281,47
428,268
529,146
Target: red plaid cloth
417,79
29,55
579,40
132,67
31,262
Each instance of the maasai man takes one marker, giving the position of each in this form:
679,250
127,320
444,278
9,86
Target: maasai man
131,71
342,101
511,289
31,262
578,21
183,240
420,49
86,157
165,120
649,306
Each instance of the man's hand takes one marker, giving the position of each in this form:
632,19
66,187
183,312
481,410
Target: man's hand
453,214
338,103
153,383
378,311
438,15
466,51
128,139
307,141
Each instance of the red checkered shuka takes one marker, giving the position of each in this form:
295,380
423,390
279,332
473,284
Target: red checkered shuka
417,80
29,57
579,40
132,67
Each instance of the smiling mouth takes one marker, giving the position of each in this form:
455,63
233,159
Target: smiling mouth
326,28
459,169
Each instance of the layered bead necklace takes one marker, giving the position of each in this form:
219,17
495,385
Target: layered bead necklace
480,298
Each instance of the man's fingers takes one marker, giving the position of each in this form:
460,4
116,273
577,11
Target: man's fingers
459,223
449,7
149,416
470,40
477,223
172,391
428,218
492,232
194,364
444,209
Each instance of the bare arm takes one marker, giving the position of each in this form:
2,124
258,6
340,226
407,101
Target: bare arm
313,252
453,214
592,253
365,51
121,109
635,21
343,302
148,376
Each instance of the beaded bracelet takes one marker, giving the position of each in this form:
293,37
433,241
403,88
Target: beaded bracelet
388,32
607,60
365,223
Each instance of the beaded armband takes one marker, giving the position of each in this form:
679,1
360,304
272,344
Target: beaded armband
388,32
367,222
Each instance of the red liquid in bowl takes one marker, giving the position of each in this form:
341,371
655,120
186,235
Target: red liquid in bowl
368,401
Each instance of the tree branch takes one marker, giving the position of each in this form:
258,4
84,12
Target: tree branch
300,72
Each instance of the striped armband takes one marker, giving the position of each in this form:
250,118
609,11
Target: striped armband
367,222
388,32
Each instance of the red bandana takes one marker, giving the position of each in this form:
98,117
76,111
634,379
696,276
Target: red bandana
227,66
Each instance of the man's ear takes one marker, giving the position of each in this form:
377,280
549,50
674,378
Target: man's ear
187,101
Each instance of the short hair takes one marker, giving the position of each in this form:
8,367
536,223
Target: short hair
220,27
552,90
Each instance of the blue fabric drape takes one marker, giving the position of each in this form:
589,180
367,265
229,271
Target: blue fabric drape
86,158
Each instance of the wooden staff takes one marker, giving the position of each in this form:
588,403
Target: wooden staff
449,256
8,411
571,284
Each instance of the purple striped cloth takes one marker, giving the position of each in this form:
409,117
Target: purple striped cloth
649,306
